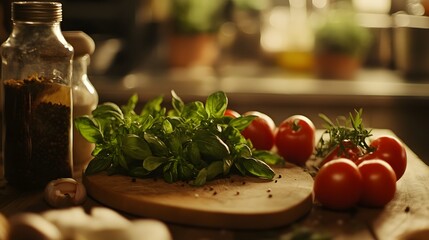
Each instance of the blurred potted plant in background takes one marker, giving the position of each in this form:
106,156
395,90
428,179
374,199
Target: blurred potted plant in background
246,19
193,32
340,45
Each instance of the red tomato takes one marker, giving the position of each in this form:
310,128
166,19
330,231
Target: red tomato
351,152
261,131
338,184
379,183
231,113
295,139
390,150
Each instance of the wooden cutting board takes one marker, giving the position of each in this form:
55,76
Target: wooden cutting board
236,203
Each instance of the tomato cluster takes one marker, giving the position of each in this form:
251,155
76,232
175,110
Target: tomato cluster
294,138
341,184
348,174
368,179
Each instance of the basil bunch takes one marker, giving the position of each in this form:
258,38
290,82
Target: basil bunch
192,142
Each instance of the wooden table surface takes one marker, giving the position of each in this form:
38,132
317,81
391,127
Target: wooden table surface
405,217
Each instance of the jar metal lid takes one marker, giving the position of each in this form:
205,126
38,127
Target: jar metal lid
37,11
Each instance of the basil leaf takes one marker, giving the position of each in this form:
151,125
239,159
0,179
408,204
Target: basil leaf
151,163
194,111
210,145
214,169
268,157
245,151
177,103
235,140
97,150
216,104
201,178
258,168
157,146
145,121
153,106
89,129
239,166
119,158
170,172
193,155
135,147
227,164
185,170
108,110
108,128
131,105
139,172
242,122
167,126
97,165
174,144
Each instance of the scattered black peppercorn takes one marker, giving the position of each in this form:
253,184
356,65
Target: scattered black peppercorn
280,176
214,193
407,209
270,195
133,180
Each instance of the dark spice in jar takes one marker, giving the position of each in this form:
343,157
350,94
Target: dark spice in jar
37,146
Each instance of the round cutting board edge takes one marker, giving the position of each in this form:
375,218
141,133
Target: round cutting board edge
259,218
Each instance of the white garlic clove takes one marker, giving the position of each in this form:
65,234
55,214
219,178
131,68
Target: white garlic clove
32,226
75,223
105,233
109,218
149,229
65,192
71,221
137,230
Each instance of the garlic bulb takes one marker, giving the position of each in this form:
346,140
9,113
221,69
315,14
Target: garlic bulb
65,192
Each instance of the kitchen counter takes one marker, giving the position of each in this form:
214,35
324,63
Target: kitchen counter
407,214
274,84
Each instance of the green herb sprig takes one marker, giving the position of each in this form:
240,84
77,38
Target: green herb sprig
345,129
191,142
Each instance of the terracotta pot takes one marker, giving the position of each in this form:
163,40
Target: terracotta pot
192,50
336,66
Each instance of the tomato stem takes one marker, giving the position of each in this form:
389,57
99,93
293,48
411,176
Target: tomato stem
295,125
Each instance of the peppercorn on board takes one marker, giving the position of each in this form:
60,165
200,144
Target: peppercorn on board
236,202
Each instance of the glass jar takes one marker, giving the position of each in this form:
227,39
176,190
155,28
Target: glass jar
85,97
37,97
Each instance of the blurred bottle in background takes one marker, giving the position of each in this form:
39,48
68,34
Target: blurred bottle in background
288,33
85,97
